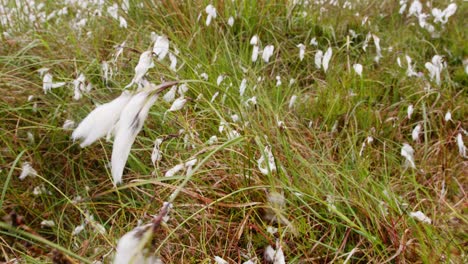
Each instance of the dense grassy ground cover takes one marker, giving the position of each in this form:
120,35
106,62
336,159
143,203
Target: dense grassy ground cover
338,188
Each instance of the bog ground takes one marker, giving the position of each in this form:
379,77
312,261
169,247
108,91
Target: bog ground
233,131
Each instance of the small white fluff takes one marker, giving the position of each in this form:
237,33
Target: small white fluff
230,21
170,95
270,165
212,140
173,59
254,40
68,124
156,155
408,153
48,84
326,59
377,48
177,104
274,256
448,116
416,132
410,111
128,248
27,170
278,81
358,69
301,51
161,47
78,229
144,64
242,87
318,59
267,53
292,101
313,41
255,52
204,76
211,13
47,223
101,120
220,260
420,216
461,146
174,170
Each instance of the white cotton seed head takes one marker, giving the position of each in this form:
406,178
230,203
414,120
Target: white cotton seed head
211,13
47,223
219,260
131,122
254,40
408,153
313,41
255,52
101,120
461,146
170,95
174,170
243,87
173,60
220,79
416,132
128,248
358,69
161,47
267,53
27,170
448,116
274,256
156,155
177,104
144,64
326,59
420,216
410,111
230,21
68,124
318,59
292,101
301,51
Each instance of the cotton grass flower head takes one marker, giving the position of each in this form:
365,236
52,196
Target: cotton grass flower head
269,165
416,132
358,69
230,21
461,146
161,47
420,216
275,256
211,14
220,260
318,59
101,120
408,153
129,125
326,59
144,64
27,170
301,51
123,116
267,53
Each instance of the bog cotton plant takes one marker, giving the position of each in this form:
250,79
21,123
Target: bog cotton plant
144,64
124,117
211,14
